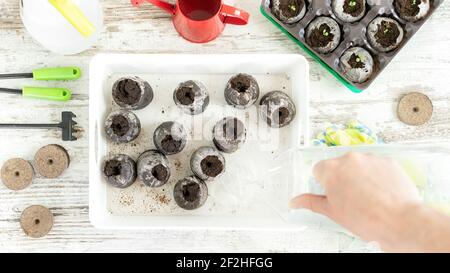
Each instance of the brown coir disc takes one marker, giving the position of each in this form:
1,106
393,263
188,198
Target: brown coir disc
51,161
415,109
17,174
36,221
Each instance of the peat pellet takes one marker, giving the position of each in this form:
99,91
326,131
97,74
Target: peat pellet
17,174
242,91
51,161
190,193
415,109
132,93
36,221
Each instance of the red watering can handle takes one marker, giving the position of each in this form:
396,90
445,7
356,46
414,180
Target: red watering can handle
161,4
234,16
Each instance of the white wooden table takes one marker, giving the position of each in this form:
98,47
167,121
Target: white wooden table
423,65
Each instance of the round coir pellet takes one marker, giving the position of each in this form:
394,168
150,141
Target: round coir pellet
415,109
51,161
17,174
36,221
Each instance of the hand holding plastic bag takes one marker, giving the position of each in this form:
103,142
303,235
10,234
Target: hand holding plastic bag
375,198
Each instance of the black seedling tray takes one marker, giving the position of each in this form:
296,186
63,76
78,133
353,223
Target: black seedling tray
352,34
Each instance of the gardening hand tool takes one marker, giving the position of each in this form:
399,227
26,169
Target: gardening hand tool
55,94
63,26
55,74
67,125
47,74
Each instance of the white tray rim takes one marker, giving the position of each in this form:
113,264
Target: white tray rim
99,221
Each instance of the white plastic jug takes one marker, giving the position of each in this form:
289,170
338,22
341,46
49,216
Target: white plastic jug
63,26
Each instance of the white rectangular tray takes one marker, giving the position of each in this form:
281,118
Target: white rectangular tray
236,200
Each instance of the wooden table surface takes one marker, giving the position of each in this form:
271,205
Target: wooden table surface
423,65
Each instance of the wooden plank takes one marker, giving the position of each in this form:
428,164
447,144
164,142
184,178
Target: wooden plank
423,66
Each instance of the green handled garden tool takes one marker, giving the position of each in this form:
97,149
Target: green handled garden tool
45,74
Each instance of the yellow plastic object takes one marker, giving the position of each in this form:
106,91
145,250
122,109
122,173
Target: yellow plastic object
441,207
415,172
347,137
353,133
75,16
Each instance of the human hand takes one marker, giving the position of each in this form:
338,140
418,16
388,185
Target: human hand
366,194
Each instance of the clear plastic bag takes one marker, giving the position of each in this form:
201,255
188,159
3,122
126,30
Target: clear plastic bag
291,175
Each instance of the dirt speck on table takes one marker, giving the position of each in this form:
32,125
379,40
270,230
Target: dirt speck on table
162,199
177,164
126,200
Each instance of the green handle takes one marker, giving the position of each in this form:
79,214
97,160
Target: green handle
57,74
55,94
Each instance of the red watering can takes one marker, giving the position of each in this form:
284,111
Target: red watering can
200,21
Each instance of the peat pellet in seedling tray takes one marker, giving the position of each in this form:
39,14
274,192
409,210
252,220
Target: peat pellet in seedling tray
191,97
51,161
153,168
277,109
17,174
170,138
415,109
122,126
36,221
190,193
229,134
132,93
119,171
242,91
234,197
207,163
